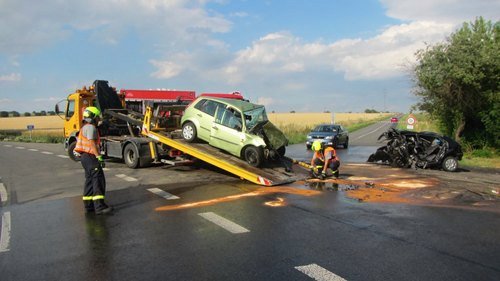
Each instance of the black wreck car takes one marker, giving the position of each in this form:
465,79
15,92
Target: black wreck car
418,150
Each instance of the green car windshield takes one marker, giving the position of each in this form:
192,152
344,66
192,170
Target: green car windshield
254,117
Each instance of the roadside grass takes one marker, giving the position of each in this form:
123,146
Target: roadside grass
38,136
486,157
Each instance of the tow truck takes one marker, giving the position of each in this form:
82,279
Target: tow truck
155,136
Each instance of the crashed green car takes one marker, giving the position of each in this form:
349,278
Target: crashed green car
236,126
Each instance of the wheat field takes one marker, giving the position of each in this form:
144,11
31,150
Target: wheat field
310,119
40,123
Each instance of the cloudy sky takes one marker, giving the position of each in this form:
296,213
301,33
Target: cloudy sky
302,55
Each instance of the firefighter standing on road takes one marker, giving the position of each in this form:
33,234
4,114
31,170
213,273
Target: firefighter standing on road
324,158
87,146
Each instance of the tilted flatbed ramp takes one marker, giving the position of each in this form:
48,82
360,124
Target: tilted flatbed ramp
269,175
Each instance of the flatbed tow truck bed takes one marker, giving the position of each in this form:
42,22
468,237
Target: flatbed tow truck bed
269,175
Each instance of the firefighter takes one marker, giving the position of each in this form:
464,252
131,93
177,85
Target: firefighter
323,160
87,146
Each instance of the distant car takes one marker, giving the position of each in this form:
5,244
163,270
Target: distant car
236,126
394,120
329,134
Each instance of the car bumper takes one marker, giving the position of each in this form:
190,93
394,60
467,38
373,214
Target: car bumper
309,142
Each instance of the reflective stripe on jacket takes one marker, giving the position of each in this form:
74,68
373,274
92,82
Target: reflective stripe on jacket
319,155
83,144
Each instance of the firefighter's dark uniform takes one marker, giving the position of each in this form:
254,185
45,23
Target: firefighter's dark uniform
95,182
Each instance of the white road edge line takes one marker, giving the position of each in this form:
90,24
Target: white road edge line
47,152
3,193
125,177
224,223
5,233
317,272
163,193
63,156
33,149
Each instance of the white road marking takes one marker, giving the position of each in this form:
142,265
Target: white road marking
5,233
7,145
20,147
105,169
362,136
163,193
3,193
316,272
224,223
47,152
33,149
63,156
125,177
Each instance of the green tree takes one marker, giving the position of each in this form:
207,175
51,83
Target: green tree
458,82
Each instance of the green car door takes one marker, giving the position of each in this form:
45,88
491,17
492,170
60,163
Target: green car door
227,130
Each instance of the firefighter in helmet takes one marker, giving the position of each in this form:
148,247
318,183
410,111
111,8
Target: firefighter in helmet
325,161
87,146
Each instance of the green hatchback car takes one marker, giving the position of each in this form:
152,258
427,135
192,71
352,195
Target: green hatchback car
236,126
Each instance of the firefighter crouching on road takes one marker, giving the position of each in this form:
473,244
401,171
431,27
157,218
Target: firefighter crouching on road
324,161
87,146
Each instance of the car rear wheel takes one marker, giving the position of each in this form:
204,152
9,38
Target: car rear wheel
450,164
253,156
189,132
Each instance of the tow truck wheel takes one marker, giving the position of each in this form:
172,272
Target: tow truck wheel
131,156
254,156
450,164
71,148
189,132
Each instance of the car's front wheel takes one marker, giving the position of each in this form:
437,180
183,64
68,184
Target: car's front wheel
450,164
189,132
253,156
346,144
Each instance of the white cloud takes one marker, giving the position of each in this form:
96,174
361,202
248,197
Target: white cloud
46,22
13,77
444,11
166,69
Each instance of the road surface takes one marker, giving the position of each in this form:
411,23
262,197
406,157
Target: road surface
198,223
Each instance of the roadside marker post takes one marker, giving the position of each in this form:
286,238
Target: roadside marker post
30,128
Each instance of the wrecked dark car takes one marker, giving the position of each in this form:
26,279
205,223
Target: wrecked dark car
422,150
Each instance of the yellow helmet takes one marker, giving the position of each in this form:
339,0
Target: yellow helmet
317,146
91,112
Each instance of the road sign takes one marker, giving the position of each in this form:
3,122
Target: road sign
411,121
30,127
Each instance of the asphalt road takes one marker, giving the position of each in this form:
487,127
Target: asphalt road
197,223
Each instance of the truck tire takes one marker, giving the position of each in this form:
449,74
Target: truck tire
71,148
131,156
189,132
253,156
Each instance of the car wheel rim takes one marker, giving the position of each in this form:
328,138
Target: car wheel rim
451,164
187,132
251,157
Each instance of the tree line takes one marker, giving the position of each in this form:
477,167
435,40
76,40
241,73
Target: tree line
26,114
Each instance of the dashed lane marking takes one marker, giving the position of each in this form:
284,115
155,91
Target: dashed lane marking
125,177
33,149
7,145
317,272
163,193
5,233
224,223
3,193
63,156
47,152
20,147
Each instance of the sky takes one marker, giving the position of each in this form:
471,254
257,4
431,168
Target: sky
300,55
